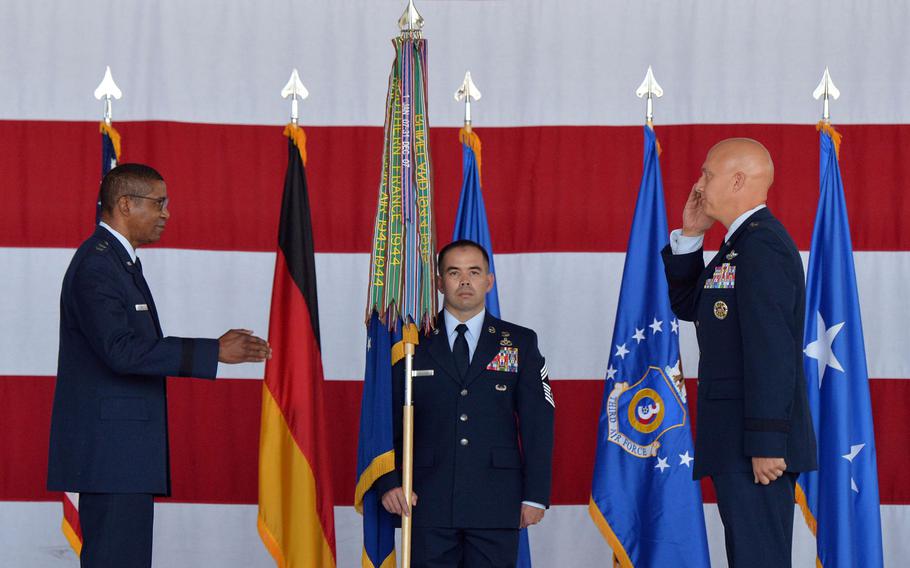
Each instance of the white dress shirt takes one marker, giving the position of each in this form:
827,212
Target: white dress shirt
472,335
123,240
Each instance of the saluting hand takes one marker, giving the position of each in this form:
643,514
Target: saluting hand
241,346
695,221
767,470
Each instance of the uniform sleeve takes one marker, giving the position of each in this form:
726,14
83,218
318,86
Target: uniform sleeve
767,296
682,271
536,407
101,310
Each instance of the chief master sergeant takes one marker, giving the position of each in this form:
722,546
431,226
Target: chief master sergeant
754,432
483,427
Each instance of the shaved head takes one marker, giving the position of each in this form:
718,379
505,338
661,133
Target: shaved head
736,177
748,156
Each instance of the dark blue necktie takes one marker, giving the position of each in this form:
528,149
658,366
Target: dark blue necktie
460,350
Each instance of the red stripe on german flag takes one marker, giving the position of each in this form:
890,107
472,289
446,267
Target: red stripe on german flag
296,515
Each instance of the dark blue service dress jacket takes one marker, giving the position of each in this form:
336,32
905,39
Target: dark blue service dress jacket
482,443
109,422
748,305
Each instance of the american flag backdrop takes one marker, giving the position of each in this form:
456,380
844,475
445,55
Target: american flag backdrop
562,141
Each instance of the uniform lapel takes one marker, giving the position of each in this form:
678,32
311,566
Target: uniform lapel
135,273
437,345
486,349
728,247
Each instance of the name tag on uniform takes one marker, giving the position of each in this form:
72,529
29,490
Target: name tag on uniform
142,307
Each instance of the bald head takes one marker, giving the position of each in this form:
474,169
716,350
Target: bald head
748,156
736,177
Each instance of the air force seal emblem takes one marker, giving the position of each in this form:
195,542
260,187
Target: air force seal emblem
640,414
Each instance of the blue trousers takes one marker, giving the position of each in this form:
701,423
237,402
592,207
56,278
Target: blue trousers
116,530
464,548
758,519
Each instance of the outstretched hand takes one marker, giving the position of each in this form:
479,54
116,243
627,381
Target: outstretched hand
241,346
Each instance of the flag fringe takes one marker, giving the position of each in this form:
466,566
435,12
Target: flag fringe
803,503
271,544
825,126
660,150
381,465
112,133
620,555
389,562
297,135
410,335
470,139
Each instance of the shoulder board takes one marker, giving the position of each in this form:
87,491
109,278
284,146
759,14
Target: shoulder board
102,246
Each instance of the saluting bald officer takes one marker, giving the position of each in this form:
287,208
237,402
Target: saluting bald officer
483,427
754,431
109,438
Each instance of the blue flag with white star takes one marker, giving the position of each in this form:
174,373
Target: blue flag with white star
471,223
840,500
643,497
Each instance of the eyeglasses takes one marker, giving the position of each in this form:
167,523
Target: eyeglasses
160,202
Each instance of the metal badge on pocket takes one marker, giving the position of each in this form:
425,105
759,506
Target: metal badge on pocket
502,388
720,309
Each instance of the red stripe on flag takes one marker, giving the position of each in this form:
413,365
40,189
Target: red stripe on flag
547,189
214,433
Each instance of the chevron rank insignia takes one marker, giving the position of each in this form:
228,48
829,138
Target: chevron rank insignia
506,360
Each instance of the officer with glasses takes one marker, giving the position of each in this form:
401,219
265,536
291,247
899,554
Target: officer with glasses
109,438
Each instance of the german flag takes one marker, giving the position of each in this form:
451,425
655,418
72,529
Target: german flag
296,518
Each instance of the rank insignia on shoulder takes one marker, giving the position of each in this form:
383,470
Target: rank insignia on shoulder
731,255
502,388
720,309
101,246
505,361
724,277
436,331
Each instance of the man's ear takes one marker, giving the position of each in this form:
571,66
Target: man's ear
123,205
491,279
739,181
439,284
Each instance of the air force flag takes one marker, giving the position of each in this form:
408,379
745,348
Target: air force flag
643,497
